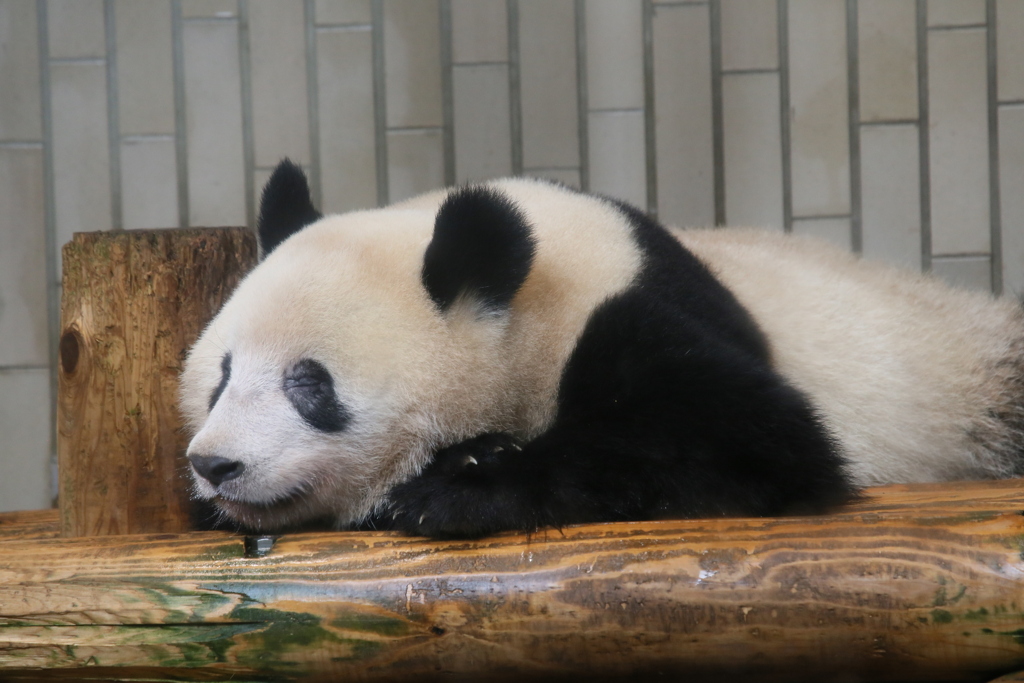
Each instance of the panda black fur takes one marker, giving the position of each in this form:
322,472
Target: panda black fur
515,354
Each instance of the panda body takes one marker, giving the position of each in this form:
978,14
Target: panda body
518,354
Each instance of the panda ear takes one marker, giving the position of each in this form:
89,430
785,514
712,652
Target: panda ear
482,248
285,207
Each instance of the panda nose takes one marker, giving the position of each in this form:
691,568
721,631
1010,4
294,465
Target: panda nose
216,469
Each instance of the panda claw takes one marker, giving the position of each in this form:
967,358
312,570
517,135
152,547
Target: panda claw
422,517
470,460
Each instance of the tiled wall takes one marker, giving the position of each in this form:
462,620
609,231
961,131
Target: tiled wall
892,127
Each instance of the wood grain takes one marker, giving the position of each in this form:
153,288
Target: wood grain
912,583
133,303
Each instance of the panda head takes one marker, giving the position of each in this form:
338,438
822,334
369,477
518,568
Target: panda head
359,345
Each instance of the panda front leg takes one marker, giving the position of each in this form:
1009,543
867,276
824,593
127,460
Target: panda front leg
649,425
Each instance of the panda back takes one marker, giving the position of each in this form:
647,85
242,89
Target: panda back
919,381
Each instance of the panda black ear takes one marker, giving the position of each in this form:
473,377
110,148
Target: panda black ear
285,207
482,248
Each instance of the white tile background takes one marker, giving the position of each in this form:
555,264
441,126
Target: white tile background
893,127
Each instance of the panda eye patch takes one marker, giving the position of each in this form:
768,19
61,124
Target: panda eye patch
310,389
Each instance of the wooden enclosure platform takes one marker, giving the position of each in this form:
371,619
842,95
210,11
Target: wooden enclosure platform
921,582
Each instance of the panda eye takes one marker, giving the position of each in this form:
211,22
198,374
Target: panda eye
310,389
225,375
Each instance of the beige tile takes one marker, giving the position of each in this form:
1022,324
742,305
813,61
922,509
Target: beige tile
753,150
81,161
76,29
25,454
547,78
819,107
890,194
339,13
955,12
415,162
260,176
967,272
887,59
213,112
566,176
682,112
835,230
277,49
348,162
219,9
958,141
479,31
1010,49
412,63
615,58
145,70
149,183
617,167
1011,195
19,71
750,34
483,141
23,324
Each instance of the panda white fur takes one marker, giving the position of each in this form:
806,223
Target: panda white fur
517,354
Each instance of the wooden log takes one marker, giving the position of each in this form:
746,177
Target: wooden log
913,583
133,302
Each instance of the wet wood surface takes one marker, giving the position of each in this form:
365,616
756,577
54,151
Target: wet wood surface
913,583
133,302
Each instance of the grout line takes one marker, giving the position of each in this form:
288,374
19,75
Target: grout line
823,217
180,119
515,91
21,144
618,110
785,125
650,133
313,103
86,61
853,90
416,129
750,71
924,144
380,103
995,201
340,28
447,92
245,79
210,20
889,122
53,278
551,168
582,94
147,137
491,62
717,110
958,27
113,117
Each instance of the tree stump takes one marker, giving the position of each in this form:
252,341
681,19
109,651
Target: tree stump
133,303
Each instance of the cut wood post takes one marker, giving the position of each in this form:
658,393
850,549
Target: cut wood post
133,303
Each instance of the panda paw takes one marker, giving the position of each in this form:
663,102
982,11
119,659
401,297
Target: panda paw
466,491
484,452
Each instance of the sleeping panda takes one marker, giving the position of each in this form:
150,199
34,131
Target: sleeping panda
516,354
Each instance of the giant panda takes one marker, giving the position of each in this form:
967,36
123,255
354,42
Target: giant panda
515,354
